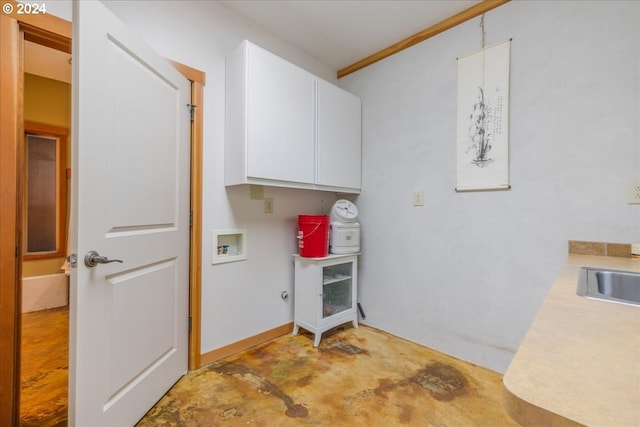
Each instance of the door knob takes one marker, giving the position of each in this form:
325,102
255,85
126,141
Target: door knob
93,258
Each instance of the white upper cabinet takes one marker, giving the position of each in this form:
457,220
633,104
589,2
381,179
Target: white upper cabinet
279,119
338,137
286,127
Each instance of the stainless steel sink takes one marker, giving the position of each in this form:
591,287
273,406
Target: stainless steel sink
621,287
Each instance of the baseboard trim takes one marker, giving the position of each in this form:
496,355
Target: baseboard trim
245,344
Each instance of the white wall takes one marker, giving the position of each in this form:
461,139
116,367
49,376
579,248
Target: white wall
239,299
466,273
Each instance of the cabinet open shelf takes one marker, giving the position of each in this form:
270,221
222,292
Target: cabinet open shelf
331,280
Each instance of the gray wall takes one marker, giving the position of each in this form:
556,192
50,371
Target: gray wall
466,273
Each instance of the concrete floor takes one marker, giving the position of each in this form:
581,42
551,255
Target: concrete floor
356,377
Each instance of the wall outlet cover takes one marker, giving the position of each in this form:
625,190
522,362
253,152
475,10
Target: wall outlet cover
256,192
633,193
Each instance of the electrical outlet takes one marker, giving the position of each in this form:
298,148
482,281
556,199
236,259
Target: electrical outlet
633,193
418,198
256,192
268,205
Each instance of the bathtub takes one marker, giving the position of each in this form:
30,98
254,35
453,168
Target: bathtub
44,292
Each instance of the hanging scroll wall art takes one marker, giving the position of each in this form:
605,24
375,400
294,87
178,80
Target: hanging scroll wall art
483,119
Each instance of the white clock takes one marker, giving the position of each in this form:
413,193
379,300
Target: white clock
344,211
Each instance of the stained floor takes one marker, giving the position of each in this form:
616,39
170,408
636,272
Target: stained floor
356,377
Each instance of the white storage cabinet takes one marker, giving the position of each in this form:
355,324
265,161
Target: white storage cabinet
339,136
286,127
325,293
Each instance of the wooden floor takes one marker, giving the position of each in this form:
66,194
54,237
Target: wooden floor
356,377
44,368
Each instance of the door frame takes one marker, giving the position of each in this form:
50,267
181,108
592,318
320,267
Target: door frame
55,32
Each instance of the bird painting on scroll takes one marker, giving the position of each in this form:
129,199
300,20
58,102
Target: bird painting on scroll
483,119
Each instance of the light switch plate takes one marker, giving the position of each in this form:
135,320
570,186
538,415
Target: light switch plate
418,198
268,205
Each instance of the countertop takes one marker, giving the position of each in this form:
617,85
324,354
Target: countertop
579,363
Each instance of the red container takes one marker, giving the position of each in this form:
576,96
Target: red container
313,235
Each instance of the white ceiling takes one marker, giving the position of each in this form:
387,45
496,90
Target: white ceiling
339,33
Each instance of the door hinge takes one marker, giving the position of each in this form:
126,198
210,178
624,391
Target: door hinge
191,219
192,110
190,323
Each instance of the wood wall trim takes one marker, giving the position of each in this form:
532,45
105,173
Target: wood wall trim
45,38
195,249
197,79
45,128
10,131
449,23
43,22
45,29
246,343
190,73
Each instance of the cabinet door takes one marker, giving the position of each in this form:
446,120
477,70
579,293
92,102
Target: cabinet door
337,289
339,137
280,134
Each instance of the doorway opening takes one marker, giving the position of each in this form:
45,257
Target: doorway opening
44,352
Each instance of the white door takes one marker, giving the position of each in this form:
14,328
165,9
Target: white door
130,201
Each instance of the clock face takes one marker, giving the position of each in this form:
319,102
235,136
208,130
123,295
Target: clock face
346,210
